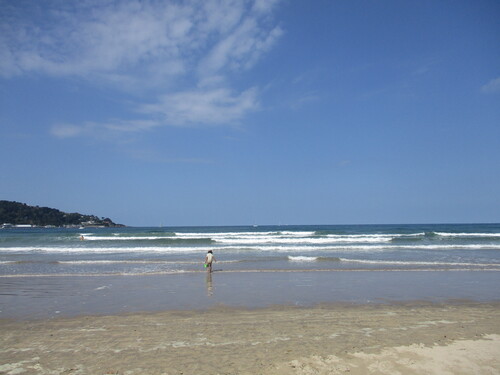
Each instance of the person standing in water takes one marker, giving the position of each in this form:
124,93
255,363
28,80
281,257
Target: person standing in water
209,259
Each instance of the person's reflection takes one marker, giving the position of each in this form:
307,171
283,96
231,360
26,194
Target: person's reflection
210,287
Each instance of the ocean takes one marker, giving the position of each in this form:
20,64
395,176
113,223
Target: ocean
255,265
143,251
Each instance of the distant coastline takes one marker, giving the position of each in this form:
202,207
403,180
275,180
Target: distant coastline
20,215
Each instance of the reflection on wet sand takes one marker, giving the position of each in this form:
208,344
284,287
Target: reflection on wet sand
210,287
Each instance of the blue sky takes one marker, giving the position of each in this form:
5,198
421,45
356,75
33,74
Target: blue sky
252,112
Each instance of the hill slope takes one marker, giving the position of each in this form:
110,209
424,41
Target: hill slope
20,213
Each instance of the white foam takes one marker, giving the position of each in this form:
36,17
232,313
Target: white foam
87,262
303,240
255,238
407,235
264,247
302,259
375,248
172,272
245,234
448,234
123,238
417,263
98,250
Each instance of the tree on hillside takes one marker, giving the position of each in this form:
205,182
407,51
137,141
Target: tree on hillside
20,213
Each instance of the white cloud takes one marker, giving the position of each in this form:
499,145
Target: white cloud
218,106
241,49
66,130
214,106
187,51
492,86
132,38
124,38
305,99
264,6
102,130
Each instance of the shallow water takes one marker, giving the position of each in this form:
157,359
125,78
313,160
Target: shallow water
51,272
43,297
135,251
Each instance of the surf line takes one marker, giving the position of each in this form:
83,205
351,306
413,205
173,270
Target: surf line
138,274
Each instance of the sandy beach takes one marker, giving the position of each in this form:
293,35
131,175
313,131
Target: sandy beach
403,301
404,338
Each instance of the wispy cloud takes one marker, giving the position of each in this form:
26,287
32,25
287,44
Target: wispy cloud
188,51
240,49
201,106
305,99
492,86
151,156
102,130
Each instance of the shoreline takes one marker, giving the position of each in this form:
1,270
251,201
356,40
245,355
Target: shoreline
233,309
31,298
160,273
459,337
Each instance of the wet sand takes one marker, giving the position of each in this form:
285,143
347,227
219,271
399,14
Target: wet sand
56,296
400,338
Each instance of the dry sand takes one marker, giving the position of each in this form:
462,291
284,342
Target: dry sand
337,339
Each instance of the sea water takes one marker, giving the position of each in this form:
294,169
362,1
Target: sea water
128,269
143,251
